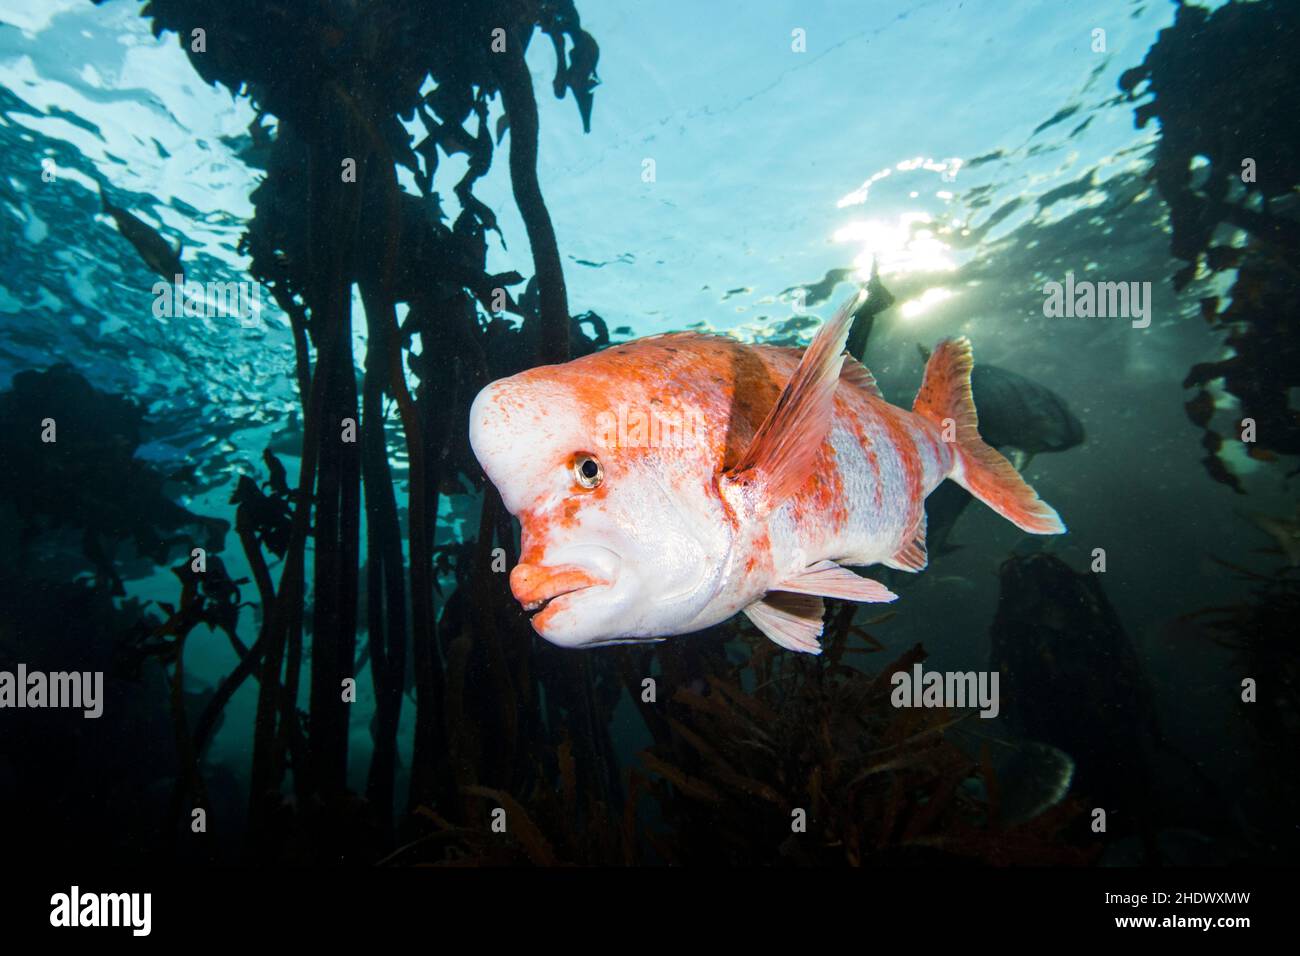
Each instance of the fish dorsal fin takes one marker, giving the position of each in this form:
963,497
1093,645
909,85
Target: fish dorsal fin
786,444
855,373
912,556
792,620
828,579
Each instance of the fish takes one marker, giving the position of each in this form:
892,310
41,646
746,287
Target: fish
1071,679
773,471
1030,777
155,251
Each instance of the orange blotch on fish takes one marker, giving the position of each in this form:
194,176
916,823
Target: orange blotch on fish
534,585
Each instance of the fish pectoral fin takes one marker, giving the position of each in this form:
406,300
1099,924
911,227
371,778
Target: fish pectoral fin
785,446
828,579
792,620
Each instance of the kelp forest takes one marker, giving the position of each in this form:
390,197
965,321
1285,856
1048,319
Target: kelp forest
487,745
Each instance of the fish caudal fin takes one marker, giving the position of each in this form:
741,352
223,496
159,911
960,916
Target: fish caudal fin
945,399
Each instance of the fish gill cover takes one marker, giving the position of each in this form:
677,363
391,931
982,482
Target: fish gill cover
263,255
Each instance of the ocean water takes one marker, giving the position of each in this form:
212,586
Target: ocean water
748,166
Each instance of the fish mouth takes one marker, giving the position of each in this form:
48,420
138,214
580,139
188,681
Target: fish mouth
536,587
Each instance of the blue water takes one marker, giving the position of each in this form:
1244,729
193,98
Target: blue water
931,139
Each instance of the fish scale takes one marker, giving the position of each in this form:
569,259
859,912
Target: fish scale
875,447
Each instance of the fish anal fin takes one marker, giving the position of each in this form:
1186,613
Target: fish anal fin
794,621
913,555
828,579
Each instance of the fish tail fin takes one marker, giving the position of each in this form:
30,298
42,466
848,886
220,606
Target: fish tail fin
945,399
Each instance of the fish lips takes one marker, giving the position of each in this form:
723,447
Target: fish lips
540,590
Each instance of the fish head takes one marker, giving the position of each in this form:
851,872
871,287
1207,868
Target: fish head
624,535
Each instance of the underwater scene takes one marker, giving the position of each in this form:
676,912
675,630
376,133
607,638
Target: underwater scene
587,432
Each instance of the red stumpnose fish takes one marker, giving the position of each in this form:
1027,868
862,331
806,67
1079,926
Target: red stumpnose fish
668,483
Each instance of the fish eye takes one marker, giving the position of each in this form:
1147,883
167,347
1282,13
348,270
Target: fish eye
587,471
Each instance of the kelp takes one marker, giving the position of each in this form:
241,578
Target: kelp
69,459
1241,170
1260,323
874,783
1259,634
739,748
507,727
329,216
1262,645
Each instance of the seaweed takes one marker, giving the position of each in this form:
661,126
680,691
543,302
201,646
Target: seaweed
1262,645
339,81
1259,634
69,459
47,757
876,783
1251,160
505,724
